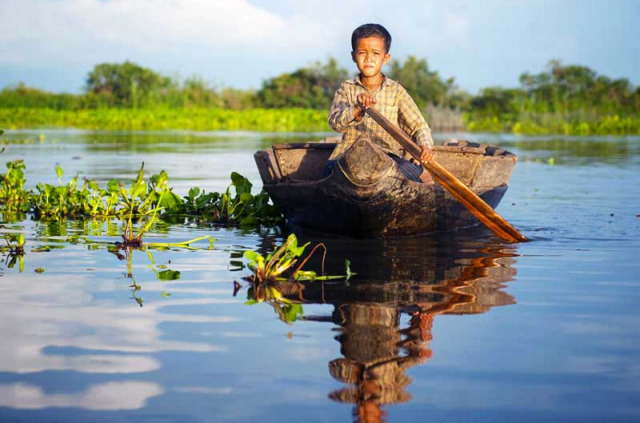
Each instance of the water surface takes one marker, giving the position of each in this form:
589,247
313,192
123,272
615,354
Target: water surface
445,327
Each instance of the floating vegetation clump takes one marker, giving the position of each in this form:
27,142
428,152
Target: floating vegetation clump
13,197
80,199
280,267
241,208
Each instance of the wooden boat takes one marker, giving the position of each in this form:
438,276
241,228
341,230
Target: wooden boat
366,195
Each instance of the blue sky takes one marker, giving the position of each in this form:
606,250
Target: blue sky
53,44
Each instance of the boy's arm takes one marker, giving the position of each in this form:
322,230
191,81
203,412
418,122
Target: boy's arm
412,122
343,113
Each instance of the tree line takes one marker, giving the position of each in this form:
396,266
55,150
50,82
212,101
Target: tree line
563,92
560,94
129,85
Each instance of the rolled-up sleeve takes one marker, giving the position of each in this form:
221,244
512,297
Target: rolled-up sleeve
342,112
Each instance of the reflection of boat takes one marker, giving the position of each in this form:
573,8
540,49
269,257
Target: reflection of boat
470,289
376,350
366,194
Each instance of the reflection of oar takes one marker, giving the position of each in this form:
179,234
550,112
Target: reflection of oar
460,191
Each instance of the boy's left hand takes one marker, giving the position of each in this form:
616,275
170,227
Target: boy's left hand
426,154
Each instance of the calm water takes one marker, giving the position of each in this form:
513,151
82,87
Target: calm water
452,327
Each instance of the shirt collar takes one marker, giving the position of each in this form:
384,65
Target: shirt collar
385,81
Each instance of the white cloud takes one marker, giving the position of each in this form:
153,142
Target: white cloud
45,28
129,395
227,41
73,30
242,42
115,337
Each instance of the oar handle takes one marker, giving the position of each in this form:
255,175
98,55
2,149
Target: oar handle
476,205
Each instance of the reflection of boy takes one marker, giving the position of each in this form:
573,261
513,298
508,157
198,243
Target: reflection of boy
370,44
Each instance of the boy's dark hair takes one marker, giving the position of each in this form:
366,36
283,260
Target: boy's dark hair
371,30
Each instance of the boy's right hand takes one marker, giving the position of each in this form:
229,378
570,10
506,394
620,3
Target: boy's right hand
364,100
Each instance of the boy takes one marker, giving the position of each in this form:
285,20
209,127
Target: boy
370,50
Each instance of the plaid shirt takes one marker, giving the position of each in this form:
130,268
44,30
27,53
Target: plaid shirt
392,100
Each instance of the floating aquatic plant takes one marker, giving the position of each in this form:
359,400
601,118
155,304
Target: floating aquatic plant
79,199
243,208
281,262
13,197
282,265
14,249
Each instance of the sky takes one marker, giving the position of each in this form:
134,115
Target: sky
54,44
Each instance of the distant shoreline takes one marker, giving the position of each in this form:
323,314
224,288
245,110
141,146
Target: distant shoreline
293,120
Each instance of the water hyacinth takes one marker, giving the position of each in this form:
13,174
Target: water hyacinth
273,271
279,265
80,199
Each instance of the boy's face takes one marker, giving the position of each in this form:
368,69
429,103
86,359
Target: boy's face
369,55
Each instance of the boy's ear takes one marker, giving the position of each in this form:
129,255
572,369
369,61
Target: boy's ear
353,56
387,57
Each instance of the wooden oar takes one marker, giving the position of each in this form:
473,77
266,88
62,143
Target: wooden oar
460,191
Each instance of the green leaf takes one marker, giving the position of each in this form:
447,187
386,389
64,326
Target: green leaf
292,239
193,193
162,178
138,189
306,275
349,273
140,173
59,172
251,255
246,197
170,200
61,192
241,183
299,250
291,312
168,275
113,186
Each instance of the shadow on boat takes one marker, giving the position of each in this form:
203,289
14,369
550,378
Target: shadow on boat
419,277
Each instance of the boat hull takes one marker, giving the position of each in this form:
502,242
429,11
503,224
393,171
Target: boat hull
366,195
